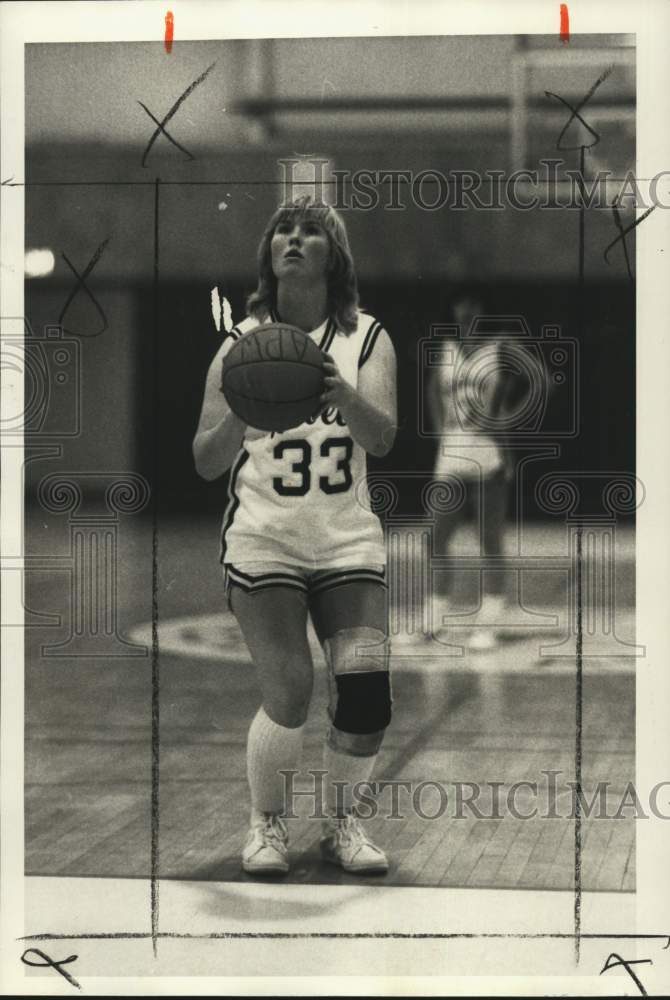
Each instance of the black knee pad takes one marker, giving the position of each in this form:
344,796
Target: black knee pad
363,702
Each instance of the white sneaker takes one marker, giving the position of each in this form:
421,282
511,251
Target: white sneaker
346,844
482,638
266,849
485,635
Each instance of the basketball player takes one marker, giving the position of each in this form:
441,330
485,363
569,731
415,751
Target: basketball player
299,539
475,375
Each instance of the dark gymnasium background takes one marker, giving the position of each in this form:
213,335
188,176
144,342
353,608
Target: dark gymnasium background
334,99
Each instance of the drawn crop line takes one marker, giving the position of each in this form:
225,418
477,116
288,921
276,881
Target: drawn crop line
325,182
349,935
577,935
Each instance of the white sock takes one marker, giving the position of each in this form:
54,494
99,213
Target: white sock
270,749
344,767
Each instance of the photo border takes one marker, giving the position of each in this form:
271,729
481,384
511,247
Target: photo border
143,21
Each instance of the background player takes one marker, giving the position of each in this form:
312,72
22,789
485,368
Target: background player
298,541
480,461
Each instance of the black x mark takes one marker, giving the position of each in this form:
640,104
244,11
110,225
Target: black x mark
626,964
623,233
81,284
575,113
50,963
161,125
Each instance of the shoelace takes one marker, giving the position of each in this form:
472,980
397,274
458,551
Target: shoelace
274,831
349,830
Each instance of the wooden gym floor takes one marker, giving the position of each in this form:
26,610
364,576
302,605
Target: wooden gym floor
504,716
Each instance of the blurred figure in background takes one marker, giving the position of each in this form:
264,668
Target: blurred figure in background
468,392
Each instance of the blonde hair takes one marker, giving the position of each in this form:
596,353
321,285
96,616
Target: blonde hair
342,285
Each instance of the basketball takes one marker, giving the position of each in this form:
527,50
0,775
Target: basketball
272,377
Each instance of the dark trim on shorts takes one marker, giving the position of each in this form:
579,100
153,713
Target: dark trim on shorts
265,581
252,584
235,333
338,577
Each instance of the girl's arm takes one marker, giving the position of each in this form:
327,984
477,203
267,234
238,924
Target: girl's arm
370,410
219,435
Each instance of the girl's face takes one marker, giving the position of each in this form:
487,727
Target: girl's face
300,248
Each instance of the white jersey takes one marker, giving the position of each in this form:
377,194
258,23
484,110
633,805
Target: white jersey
468,380
299,496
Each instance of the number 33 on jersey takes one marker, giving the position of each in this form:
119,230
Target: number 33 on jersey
299,497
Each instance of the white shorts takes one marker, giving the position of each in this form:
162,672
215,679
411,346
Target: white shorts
473,458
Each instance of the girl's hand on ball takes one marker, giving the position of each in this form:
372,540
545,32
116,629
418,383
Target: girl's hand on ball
336,390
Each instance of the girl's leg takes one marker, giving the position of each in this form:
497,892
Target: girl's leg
274,627
492,510
350,621
446,526
273,624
